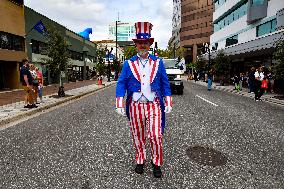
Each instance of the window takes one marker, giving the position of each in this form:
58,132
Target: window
19,2
232,40
76,55
231,17
266,28
257,2
11,42
38,47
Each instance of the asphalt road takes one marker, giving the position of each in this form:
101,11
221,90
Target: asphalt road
85,145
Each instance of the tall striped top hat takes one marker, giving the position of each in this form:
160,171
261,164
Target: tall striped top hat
143,32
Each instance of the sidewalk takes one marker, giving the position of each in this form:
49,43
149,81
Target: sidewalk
269,97
12,104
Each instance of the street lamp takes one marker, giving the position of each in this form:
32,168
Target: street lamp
108,52
210,74
207,49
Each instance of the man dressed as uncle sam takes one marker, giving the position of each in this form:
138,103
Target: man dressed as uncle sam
144,78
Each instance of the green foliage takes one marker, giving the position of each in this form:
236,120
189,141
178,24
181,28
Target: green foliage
116,65
222,64
100,65
200,64
57,51
278,68
100,68
129,52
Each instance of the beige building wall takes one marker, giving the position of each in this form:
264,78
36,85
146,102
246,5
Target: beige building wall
196,24
12,21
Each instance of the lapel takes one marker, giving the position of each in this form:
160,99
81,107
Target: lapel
154,64
134,65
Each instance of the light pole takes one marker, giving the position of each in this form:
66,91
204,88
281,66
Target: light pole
108,54
210,74
207,48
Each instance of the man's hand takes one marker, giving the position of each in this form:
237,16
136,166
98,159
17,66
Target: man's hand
121,111
168,109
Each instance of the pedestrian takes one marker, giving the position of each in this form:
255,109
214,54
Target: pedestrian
209,79
195,76
34,82
264,84
242,79
251,80
26,80
259,75
236,81
270,82
144,78
40,83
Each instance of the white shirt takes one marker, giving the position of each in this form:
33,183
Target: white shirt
146,93
259,75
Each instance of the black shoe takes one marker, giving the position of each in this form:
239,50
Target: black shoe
28,106
157,171
139,169
33,106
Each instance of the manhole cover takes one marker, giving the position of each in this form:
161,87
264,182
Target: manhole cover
206,156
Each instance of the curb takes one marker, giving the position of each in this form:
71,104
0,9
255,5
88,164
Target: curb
39,109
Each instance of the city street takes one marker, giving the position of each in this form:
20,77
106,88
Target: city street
86,144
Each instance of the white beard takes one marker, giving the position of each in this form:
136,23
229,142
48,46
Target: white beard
142,52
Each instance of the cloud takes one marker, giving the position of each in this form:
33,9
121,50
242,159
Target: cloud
77,15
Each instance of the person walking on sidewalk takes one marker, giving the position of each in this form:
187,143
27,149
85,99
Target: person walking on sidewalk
26,80
259,76
251,79
144,79
35,82
210,79
40,83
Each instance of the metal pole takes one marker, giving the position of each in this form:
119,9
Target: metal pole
108,66
116,39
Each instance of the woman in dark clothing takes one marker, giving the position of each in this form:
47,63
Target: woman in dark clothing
251,79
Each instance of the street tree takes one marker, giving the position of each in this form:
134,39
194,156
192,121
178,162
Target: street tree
278,55
129,52
100,65
57,52
200,64
222,66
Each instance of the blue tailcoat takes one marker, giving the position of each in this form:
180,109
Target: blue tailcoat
129,81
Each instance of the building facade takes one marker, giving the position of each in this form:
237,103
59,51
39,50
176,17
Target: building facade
82,52
176,24
125,31
247,31
12,43
196,26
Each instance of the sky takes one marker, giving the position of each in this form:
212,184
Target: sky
77,15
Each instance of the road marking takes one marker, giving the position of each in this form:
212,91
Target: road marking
206,100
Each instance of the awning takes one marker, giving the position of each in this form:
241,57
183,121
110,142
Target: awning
260,46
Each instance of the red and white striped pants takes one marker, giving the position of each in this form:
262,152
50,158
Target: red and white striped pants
146,116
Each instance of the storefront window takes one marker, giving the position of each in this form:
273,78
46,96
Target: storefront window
11,42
